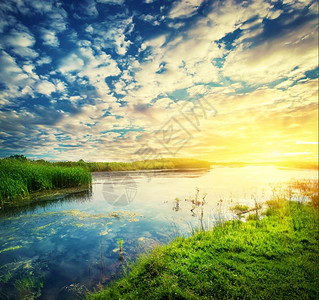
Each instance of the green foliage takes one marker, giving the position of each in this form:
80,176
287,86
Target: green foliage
19,178
272,258
18,157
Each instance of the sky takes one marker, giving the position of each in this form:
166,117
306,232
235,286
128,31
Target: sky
122,80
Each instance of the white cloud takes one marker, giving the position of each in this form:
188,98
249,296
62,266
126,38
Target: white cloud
75,99
185,8
71,63
12,76
113,36
94,67
45,87
97,67
57,19
20,39
49,37
43,60
27,91
41,6
21,42
89,29
60,86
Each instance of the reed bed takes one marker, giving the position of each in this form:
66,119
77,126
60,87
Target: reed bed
19,178
169,163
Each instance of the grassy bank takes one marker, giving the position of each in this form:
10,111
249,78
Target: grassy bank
165,163
20,178
273,258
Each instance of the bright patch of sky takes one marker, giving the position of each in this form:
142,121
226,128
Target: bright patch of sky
98,79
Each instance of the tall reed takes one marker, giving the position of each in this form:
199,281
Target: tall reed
19,178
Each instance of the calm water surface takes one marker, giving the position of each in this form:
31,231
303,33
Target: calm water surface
60,248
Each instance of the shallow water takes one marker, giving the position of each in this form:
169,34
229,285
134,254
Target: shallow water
61,247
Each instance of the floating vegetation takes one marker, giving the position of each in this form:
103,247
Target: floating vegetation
115,214
11,248
78,225
45,226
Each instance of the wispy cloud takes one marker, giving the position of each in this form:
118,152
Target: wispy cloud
185,9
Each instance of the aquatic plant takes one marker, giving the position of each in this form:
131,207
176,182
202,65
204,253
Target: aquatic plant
120,244
176,204
197,201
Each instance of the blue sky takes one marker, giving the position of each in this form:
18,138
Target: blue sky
104,80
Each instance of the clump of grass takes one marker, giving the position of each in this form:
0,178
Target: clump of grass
275,260
307,189
20,178
239,208
252,217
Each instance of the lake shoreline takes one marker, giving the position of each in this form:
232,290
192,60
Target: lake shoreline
21,177
245,260
42,195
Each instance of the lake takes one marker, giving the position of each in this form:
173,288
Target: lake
68,244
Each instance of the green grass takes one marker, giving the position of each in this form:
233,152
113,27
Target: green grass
20,178
165,163
273,258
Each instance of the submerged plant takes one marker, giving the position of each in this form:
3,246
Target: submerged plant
29,287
